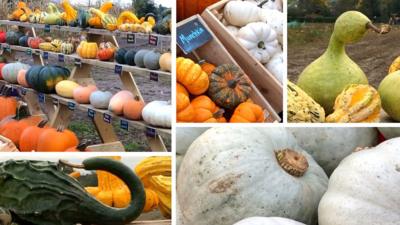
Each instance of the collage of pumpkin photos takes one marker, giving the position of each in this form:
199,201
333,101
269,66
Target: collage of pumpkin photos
199,112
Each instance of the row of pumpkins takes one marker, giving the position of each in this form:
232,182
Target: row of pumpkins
96,18
206,93
301,175
105,51
54,79
259,30
155,174
326,92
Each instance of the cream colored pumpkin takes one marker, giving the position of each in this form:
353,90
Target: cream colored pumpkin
276,66
165,62
185,136
364,188
240,13
268,221
233,30
260,39
66,88
158,113
276,19
329,145
230,173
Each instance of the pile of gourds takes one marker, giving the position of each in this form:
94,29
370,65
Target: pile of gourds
259,30
331,180
144,58
206,93
97,18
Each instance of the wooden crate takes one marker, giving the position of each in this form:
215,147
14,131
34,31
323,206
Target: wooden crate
9,147
213,51
268,85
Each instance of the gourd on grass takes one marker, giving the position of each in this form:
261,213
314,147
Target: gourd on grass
317,78
354,184
388,91
265,161
329,145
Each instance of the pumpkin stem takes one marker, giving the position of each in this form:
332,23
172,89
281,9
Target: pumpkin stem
232,83
292,162
383,30
262,3
60,128
82,146
218,114
261,45
42,123
137,98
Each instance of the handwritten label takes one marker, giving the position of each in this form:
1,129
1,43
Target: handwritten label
45,55
153,40
71,106
124,124
41,97
61,58
107,118
78,62
47,28
154,76
151,132
192,35
91,113
131,38
118,69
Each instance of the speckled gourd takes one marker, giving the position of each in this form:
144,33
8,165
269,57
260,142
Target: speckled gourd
242,172
329,145
357,103
328,75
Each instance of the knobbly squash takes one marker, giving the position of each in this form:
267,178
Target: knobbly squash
184,110
206,111
248,112
190,75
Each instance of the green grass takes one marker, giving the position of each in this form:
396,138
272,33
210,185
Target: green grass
309,33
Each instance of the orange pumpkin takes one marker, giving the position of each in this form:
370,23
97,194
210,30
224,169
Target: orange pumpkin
248,112
21,78
191,76
132,109
13,129
184,110
188,8
207,67
82,94
106,51
206,110
9,106
57,140
29,137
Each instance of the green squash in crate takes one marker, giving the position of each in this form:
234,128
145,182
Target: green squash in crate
39,192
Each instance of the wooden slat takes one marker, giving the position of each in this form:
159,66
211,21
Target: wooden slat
107,147
154,222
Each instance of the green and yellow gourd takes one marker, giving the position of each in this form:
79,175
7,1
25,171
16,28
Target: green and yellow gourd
108,21
325,78
53,15
35,190
357,103
301,108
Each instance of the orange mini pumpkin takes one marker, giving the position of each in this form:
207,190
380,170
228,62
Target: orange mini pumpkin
106,51
190,75
248,112
206,111
132,109
207,67
57,140
184,110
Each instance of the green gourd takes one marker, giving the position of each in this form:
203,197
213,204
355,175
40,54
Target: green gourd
45,78
326,77
39,192
83,18
53,16
389,93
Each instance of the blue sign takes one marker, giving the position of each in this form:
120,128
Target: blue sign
71,106
192,35
61,58
45,55
151,132
118,69
124,124
107,118
91,113
41,97
154,76
47,28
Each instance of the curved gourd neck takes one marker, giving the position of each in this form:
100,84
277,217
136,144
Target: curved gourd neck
335,47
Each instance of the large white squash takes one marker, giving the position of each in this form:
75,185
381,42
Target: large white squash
231,173
329,145
185,136
158,113
268,221
364,188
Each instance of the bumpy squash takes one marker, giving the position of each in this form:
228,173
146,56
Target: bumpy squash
206,111
395,65
357,103
21,13
184,110
66,88
70,16
252,158
45,181
190,75
108,21
67,47
53,16
162,185
301,108
248,112
87,50
229,86
127,17
95,21
388,91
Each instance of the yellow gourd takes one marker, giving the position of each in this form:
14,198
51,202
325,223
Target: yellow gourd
95,21
127,17
395,65
87,50
357,103
70,15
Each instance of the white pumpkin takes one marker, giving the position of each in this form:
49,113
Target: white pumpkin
100,99
10,71
240,13
230,173
390,132
185,136
364,188
276,66
268,221
158,113
329,145
276,19
272,4
260,39
232,29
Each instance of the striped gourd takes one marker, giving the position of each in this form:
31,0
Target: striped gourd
301,108
356,103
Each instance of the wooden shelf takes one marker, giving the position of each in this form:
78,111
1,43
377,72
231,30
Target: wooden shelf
103,32
93,62
108,116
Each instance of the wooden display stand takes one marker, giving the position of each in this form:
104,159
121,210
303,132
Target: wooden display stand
214,52
268,85
60,110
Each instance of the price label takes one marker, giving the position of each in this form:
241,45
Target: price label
22,90
154,76
124,124
56,102
41,97
71,106
45,55
91,113
61,58
151,132
78,62
28,51
153,40
107,118
47,28
118,69
192,35
131,38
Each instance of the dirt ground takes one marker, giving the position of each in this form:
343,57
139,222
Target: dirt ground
374,53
